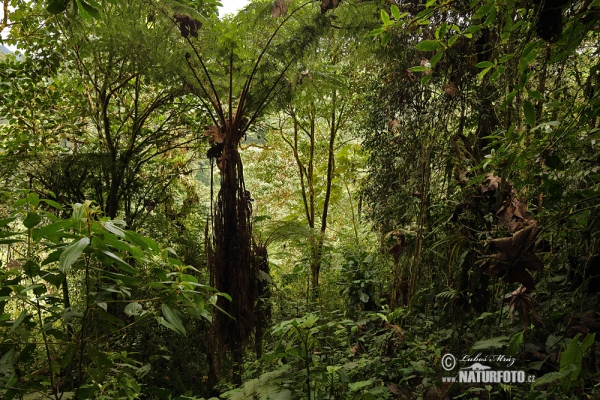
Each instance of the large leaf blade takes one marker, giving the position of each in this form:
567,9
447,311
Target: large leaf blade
72,253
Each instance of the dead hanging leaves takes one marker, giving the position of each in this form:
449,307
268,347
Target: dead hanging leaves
215,134
279,8
398,247
329,5
512,213
187,25
525,305
516,258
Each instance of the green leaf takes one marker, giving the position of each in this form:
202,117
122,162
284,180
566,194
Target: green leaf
429,45
173,319
48,230
17,322
529,112
72,253
534,94
452,40
385,38
7,221
122,264
57,6
482,11
491,18
548,378
485,64
32,220
112,227
395,12
33,199
514,343
493,343
528,55
52,203
31,268
79,211
88,9
10,241
384,17
483,73
375,32
133,309
587,342
435,59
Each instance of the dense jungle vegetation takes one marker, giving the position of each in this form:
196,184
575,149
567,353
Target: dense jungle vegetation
307,200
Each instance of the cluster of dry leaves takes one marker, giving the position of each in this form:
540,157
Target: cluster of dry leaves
280,8
515,259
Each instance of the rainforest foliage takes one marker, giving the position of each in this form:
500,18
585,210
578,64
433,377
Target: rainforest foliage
307,200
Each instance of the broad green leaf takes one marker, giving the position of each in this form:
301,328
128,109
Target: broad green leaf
485,64
493,343
52,257
79,211
32,220
441,31
356,386
31,268
33,199
385,17
529,112
548,378
491,18
87,11
429,45
452,40
57,6
514,343
10,241
587,342
117,244
17,322
72,253
54,279
47,230
573,354
385,38
482,11
137,239
436,58
375,32
122,264
482,73
133,309
112,227
395,12
173,319
534,94
528,55
7,221
52,203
